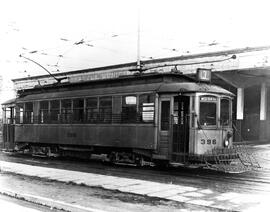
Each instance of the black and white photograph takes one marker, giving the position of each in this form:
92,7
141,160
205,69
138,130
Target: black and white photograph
134,105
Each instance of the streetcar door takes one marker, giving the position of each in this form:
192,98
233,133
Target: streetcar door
165,127
8,127
180,128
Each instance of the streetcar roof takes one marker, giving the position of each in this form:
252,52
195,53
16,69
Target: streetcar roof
92,92
191,87
176,87
9,102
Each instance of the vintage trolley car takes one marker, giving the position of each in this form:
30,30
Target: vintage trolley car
159,118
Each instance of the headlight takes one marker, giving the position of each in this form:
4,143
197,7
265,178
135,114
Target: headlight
226,143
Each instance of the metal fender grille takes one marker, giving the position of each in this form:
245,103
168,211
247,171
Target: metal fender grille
237,159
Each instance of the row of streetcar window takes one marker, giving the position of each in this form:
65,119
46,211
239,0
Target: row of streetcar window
107,109
207,115
208,111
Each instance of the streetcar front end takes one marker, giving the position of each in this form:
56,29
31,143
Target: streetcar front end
211,135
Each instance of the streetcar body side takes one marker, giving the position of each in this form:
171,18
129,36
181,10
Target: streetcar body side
85,135
156,118
97,129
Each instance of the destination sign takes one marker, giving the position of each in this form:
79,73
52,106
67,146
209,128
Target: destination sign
204,75
208,98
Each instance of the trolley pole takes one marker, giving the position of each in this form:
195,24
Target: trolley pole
57,79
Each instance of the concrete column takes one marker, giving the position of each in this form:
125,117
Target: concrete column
239,115
263,135
263,105
240,104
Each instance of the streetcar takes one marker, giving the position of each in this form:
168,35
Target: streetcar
149,118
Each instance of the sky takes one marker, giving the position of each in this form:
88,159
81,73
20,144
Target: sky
66,35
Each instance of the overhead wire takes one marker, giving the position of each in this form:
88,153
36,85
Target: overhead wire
86,42
89,43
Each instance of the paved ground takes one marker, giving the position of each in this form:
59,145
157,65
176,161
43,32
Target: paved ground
196,194
9,206
71,197
16,205
181,193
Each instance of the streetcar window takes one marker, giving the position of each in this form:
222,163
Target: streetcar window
44,112
105,109
193,117
224,112
8,115
129,109
78,108
147,107
165,115
29,113
66,111
193,103
117,109
176,111
55,110
92,110
19,113
208,113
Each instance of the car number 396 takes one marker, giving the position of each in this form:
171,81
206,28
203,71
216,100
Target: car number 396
208,141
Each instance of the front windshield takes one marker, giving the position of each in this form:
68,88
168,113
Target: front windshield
224,112
208,111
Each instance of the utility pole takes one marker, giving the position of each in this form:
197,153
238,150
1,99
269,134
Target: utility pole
138,42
